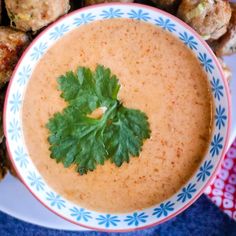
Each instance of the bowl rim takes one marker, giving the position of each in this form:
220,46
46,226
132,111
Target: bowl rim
215,62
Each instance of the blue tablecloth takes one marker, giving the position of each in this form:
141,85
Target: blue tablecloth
202,218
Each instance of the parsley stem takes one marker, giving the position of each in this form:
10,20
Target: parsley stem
109,112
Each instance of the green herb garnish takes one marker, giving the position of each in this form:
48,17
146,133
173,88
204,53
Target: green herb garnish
77,138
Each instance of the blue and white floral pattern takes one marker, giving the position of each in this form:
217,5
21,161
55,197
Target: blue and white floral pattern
38,51
107,220
84,19
81,214
24,75
164,209
205,171
206,62
21,157
59,31
32,177
217,88
216,145
166,24
15,102
55,200
188,40
187,193
14,130
139,15
220,117
136,218
36,181
111,13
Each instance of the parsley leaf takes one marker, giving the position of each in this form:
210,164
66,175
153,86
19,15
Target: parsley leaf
76,138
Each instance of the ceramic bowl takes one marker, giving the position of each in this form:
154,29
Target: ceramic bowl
158,213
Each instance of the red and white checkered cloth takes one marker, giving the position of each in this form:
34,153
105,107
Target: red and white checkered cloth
222,191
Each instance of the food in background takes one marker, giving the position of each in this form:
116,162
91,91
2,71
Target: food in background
226,70
227,43
209,18
34,14
12,44
91,2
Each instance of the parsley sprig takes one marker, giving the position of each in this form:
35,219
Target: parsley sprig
77,138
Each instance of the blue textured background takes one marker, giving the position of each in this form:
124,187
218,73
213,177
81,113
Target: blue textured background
202,218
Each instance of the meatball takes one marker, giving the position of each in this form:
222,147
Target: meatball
226,70
12,43
227,43
91,2
32,15
209,18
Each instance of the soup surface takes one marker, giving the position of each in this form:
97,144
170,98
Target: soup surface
158,75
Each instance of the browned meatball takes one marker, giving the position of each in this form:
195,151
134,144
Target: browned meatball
32,15
91,2
227,43
209,18
12,43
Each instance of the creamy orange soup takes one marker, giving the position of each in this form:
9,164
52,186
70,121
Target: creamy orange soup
158,75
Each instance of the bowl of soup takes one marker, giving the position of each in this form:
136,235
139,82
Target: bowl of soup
166,137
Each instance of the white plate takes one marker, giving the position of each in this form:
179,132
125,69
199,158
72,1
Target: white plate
25,207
